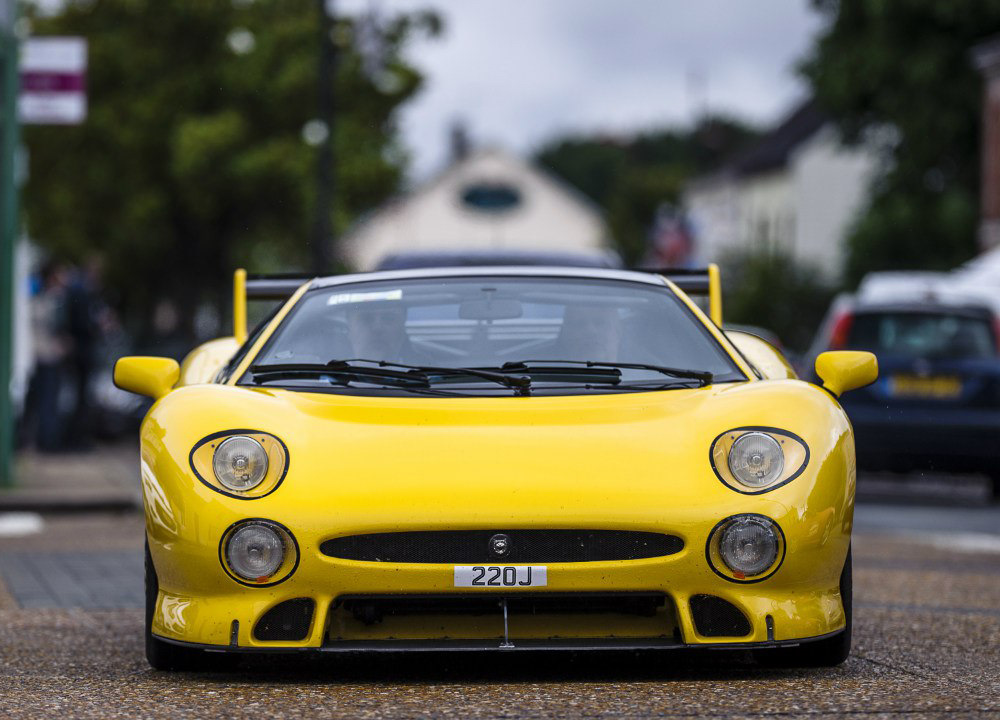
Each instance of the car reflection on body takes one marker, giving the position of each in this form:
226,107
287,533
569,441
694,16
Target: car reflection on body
495,458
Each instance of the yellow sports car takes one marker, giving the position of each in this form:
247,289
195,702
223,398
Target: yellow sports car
494,459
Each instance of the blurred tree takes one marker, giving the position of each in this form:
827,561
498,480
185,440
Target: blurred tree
765,286
900,71
630,178
192,160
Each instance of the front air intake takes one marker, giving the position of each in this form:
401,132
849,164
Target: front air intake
492,546
288,620
715,617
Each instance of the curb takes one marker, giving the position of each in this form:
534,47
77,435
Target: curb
53,506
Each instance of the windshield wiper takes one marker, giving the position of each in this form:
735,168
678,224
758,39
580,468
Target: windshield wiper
702,376
285,371
520,384
609,375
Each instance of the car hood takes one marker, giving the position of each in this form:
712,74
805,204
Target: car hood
467,461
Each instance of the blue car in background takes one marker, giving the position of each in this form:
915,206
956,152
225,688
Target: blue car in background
936,404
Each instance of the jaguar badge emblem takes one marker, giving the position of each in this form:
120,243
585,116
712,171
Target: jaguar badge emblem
499,545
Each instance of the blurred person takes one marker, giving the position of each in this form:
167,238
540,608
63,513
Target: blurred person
85,308
671,240
168,338
43,421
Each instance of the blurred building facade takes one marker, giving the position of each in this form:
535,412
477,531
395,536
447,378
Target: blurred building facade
986,57
798,186
485,199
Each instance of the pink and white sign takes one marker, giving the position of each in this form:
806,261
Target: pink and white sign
53,81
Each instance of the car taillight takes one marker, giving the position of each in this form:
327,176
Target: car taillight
841,329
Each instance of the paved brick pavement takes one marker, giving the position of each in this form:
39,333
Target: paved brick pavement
109,580
927,645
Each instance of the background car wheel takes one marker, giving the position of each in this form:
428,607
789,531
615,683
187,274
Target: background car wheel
821,653
995,488
166,656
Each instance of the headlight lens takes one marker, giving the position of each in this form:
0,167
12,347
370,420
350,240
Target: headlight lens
240,463
756,459
748,545
255,551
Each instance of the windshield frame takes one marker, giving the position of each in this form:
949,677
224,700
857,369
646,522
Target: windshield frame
741,371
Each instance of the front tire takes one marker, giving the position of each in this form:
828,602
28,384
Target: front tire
828,652
162,655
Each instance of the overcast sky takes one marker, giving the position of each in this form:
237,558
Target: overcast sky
520,72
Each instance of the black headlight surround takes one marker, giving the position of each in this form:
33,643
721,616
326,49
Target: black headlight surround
714,534
259,521
229,433
743,490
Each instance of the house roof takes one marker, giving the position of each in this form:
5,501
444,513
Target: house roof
772,150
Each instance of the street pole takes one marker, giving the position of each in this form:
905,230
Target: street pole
8,230
322,237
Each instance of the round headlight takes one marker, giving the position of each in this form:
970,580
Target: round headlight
240,463
255,551
748,545
756,459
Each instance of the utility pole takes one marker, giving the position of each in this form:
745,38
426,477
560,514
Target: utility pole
322,237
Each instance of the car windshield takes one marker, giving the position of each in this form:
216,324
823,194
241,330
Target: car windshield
560,335
923,334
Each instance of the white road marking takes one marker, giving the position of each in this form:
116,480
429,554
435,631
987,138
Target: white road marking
17,524
960,542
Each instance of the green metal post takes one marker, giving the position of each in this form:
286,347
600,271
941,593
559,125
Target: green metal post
8,231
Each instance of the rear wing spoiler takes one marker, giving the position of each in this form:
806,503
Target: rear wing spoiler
702,281
259,287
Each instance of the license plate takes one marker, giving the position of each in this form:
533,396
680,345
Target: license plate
942,386
501,576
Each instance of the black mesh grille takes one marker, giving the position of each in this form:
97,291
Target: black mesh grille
377,606
715,617
288,620
523,546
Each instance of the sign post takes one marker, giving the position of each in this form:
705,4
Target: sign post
8,229
42,82
53,81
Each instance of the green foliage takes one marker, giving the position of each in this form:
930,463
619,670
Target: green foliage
905,66
766,287
629,179
191,161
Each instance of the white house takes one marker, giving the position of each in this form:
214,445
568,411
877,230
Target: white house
798,186
489,199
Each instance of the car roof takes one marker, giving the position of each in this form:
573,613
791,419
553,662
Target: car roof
919,291
479,257
527,271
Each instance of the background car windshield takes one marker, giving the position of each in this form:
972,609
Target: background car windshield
486,322
923,334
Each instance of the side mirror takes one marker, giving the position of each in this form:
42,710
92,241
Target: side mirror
151,376
843,370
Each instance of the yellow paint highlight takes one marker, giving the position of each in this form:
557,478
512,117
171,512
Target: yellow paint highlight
714,294
240,306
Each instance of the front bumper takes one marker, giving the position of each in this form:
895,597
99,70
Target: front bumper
200,604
